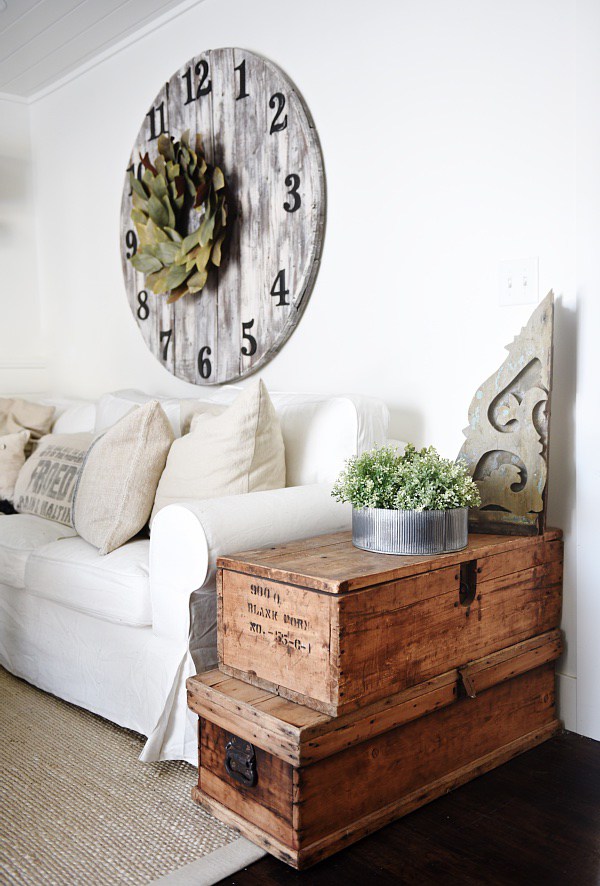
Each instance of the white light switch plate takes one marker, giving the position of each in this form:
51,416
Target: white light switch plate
518,282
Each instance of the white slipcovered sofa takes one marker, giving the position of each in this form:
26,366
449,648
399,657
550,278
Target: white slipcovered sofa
119,634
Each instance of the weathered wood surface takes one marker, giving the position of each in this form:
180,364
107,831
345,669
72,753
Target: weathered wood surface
258,156
301,735
338,651
269,801
332,564
507,440
380,777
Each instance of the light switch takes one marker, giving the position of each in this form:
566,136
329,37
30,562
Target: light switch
518,282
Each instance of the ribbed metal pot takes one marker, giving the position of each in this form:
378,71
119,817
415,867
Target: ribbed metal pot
410,532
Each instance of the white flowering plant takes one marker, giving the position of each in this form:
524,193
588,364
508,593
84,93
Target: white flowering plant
419,480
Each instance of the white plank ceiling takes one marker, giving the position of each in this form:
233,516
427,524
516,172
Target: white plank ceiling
42,41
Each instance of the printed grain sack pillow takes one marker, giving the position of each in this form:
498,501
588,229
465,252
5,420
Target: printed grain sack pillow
46,482
117,483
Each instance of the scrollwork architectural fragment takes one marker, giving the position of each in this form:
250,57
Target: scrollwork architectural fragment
506,446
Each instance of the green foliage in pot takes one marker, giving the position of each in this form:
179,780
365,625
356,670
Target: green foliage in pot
419,480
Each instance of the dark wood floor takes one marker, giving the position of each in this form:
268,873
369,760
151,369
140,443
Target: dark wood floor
533,822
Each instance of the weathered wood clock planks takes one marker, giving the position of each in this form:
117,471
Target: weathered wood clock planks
257,129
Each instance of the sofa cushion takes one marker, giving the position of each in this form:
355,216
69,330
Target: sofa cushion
20,534
12,459
321,431
241,450
113,407
17,414
72,416
113,587
117,482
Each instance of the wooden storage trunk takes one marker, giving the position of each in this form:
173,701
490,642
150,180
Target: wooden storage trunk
333,627
304,785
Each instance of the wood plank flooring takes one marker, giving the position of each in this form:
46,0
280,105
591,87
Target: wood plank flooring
533,822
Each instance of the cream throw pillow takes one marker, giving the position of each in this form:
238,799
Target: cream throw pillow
17,415
118,480
47,481
240,450
12,459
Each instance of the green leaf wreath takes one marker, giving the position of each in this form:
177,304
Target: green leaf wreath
179,180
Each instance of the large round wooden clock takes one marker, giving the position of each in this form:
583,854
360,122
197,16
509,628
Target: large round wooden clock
256,128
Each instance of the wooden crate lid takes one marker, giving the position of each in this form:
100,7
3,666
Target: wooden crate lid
300,735
332,564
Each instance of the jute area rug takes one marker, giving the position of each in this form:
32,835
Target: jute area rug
78,807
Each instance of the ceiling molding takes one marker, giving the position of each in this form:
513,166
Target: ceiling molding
103,54
17,99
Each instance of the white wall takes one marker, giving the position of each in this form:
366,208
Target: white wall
448,131
588,377
21,358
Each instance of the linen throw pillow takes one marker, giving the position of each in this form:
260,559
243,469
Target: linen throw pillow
12,459
17,414
240,450
117,483
46,482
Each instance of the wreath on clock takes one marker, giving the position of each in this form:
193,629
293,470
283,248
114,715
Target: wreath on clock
176,191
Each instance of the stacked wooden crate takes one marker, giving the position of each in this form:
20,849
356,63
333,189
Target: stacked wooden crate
354,687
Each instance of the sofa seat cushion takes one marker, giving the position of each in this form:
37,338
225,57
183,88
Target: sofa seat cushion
114,587
20,534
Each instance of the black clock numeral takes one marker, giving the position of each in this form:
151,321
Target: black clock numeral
143,310
252,344
131,243
278,289
278,100
167,333
241,69
292,182
153,113
204,364
204,87
138,173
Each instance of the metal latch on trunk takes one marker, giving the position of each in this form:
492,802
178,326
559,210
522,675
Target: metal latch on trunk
467,682
240,761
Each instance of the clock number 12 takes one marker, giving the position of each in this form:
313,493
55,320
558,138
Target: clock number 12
205,85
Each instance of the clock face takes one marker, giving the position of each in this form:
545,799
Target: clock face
256,128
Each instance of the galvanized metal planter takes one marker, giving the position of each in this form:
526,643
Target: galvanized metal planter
410,532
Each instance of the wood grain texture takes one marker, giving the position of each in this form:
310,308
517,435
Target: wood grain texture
269,801
383,776
507,440
287,629
243,133
338,651
405,759
332,564
300,735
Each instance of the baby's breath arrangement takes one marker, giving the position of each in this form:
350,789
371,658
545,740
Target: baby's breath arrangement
419,480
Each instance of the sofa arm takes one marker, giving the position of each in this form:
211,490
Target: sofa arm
187,538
